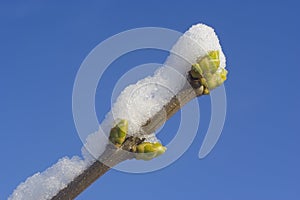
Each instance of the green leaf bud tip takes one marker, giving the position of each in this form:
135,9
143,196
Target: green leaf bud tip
208,71
119,132
148,150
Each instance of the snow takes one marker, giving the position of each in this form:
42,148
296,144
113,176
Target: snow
137,103
45,185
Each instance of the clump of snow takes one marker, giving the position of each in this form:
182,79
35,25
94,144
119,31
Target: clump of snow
194,44
94,146
137,103
45,185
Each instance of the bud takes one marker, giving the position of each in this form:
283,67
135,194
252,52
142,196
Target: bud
208,71
148,150
118,133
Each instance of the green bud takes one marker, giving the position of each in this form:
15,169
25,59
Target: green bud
148,150
196,68
207,69
209,63
217,79
119,132
208,76
203,82
212,83
223,75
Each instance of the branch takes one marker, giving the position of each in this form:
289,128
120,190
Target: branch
112,155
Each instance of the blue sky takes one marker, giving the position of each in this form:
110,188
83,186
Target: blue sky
42,44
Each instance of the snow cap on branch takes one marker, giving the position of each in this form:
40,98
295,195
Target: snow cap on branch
141,101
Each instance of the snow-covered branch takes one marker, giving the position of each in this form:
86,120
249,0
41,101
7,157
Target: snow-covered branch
197,66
